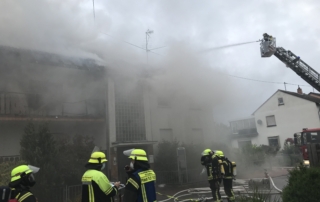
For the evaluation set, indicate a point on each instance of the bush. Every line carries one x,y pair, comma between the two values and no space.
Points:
303,185
6,168
61,161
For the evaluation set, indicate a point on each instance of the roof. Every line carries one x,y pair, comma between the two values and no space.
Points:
8,53
302,96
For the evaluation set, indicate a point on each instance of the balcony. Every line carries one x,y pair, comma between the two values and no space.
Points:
244,128
14,158
23,106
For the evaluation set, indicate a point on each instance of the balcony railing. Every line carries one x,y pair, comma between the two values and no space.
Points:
10,158
33,105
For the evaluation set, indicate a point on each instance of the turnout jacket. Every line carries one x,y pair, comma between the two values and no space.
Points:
96,187
23,195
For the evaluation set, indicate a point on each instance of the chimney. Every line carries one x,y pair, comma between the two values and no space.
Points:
299,90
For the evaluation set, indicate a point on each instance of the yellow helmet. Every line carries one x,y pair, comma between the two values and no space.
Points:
97,157
206,152
219,153
21,170
138,154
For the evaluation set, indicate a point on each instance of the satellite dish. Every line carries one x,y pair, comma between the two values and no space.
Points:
259,122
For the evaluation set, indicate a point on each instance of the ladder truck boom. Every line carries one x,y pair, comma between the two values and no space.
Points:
268,48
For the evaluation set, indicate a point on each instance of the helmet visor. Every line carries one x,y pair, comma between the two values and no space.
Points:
128,152
34,169
95,149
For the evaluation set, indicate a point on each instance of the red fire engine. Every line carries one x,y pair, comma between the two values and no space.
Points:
302,139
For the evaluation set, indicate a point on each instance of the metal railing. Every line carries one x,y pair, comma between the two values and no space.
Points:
12,158
31,104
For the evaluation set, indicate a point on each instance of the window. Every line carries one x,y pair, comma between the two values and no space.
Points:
166,134
274,141
244,143
280,101
271,121
196,136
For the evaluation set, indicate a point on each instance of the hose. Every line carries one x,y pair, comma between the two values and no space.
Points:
271,180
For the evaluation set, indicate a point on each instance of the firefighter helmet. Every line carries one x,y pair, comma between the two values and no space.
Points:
219,153
207,152
98,157
22,170
139,155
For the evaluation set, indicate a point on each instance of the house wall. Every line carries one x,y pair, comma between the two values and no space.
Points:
292,117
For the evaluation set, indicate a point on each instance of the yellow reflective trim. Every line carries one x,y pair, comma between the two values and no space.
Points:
147,176
24,197
144,195
91,193
17,196
134,183
86,179
109,191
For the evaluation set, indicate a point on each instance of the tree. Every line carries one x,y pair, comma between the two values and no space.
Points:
61,161
6,168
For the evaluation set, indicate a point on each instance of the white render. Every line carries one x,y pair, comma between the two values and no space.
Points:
296,113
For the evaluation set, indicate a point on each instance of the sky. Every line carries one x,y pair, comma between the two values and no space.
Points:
181,30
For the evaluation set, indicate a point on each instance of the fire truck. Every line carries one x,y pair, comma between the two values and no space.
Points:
309,139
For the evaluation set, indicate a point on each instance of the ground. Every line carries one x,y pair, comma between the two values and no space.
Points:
279,177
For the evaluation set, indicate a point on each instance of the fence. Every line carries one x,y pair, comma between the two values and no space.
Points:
61,194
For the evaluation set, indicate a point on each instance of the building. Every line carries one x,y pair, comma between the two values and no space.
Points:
84,96
243,131
282,115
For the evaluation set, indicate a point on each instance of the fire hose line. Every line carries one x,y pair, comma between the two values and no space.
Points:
271,180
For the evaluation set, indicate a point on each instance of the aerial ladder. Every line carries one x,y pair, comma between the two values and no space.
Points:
268,48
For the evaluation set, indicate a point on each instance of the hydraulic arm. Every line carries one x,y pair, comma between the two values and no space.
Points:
268,48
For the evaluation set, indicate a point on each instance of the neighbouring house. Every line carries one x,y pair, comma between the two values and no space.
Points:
278,118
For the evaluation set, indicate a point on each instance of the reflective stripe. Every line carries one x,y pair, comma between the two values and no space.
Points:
109,191
134,183
22,198
91,193
144,194
86,180
210,177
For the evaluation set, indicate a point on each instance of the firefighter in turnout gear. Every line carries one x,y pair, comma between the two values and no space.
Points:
211,163
140,186
230,172
22,179
95,185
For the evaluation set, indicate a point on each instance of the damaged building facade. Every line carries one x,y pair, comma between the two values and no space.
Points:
84,96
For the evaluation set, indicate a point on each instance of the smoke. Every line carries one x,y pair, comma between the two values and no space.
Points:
69,29
184,77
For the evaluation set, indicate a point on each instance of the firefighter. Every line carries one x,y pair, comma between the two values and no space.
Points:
266,37
95,185
140,186
228,176
22,179
211,164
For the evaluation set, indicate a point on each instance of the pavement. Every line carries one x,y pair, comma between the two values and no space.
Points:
279,176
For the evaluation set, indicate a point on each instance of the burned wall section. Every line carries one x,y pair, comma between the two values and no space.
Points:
69,93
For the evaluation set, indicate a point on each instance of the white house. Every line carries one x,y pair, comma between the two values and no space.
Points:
279,117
